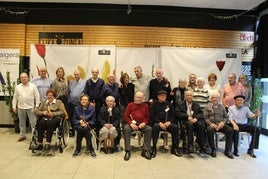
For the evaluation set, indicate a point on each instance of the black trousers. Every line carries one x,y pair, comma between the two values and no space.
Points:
227,130
254,132
83,132
173,129
47,124
199,128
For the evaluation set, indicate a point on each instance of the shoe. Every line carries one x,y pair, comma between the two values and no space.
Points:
191,149
47,147
229,155
202,153
153,153
105,150
39,147
146,154
176,152
127,156
21,139
92,152
76,153
251,153
236,153
111,150
213,153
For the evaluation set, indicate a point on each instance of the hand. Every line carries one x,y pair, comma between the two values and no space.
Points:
134,127
235,127
167,124
163,127
142,125
220,125
213,126
15,110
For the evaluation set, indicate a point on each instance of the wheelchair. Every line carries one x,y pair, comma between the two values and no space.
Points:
61,132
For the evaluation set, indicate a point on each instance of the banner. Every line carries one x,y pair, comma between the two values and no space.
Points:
9,61
71,58
180,62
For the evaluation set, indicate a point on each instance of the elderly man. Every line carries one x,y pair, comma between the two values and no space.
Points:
110,89
136,118
192,82
238,116
163,118
42,82
216,119
191,115
75,90
26,100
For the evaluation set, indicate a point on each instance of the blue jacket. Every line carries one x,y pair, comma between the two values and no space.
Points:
88,114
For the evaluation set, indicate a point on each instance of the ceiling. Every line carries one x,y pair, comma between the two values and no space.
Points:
214,4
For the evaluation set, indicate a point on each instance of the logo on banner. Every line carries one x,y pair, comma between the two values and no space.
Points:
65,38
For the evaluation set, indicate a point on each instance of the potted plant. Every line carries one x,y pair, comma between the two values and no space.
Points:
8,90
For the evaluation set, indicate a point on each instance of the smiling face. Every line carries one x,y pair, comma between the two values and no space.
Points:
84,101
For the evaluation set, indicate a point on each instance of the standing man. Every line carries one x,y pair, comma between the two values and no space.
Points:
26,100
93,89
43,83
238,116
75,90
192,82
141,83
157,84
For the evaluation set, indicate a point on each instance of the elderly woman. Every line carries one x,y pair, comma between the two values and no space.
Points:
200,94
50,113
109,120
216,118
178,92
212,86
84,120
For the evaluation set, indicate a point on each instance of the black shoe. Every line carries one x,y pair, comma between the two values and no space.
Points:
127,156
176,151
229,155
105,150
251,153
153,153
47,147
191,149
76,153
111,150
236,153
39,147
213,153
146,154
92,152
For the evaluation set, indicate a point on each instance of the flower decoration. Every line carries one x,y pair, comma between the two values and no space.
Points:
41,50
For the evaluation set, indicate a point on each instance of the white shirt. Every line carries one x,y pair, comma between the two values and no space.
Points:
26,96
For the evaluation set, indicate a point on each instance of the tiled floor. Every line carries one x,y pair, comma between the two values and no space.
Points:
16,161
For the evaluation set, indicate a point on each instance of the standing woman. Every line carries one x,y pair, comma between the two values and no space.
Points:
247,88
212,86
60,85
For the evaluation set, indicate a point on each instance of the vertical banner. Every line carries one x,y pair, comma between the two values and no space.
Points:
9,61
180,62
128,58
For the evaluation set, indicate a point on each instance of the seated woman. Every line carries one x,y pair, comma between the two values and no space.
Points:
84,121
109,120
50,113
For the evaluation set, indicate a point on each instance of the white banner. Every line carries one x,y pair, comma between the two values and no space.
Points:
9,61
180,62
71,58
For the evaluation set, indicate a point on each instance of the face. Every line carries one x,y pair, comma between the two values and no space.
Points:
231,79
182,84
242,79
138,72
200,83
162,97
192,79
239,102
126,80
211,82
60,73
43,72
50,97
111,79
215,99
84,101
77,75
138,99
110,103
95,73
159,74
24,78
188,96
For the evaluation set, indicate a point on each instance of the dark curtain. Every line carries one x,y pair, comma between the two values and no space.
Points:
261,61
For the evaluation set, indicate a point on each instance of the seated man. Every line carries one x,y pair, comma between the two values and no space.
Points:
238,116
109,120
50,113
136,118
163,118
84,120
191,115
216,119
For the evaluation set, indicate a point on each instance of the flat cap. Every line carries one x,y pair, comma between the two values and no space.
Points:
239,96
161,92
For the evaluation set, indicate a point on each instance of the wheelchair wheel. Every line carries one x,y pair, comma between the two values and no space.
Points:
65,132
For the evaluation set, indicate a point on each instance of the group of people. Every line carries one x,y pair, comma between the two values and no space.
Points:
141,104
